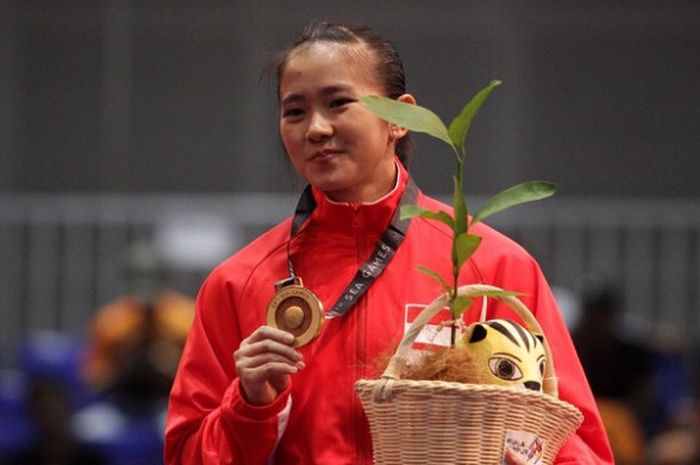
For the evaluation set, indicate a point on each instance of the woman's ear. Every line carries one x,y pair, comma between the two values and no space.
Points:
397,131
407,98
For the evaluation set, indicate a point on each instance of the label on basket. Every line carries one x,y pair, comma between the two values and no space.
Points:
526,445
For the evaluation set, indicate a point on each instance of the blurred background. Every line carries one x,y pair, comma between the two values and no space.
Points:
139,147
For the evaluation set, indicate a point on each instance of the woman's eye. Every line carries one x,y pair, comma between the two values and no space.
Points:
293,112
505,369
339,102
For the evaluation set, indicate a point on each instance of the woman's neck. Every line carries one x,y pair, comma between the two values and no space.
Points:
370,194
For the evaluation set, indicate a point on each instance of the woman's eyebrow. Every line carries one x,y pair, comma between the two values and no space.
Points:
329,90
291,98
334,89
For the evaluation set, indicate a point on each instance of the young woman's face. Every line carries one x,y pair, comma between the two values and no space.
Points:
333,142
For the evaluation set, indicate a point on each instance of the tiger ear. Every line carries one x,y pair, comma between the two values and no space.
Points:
478,334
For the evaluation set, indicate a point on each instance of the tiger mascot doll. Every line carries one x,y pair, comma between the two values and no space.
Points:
503,352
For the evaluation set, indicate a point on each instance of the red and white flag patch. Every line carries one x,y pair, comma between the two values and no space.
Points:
434,335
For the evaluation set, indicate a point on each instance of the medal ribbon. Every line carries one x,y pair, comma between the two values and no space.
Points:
368,272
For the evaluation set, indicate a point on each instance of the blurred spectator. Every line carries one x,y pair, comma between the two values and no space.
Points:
54,443
641,388
616,367
134,343
619,372
134,347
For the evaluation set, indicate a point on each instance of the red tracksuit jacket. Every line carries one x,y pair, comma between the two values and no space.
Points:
319,419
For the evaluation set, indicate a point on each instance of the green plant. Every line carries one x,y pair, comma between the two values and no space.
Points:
464,244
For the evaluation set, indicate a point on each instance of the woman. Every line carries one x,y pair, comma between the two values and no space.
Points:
243,393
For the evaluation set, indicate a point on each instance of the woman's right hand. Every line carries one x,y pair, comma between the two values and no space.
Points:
264,362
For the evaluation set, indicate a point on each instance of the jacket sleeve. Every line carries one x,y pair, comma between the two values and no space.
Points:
589,445
208,420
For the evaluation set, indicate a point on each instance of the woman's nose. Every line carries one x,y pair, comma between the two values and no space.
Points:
319,128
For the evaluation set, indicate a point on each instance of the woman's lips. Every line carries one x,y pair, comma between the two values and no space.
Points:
323,155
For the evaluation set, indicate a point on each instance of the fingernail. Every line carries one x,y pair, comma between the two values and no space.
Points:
301,365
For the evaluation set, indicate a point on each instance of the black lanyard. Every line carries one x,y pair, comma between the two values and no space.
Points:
385,250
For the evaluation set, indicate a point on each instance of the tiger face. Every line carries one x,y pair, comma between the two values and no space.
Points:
505,353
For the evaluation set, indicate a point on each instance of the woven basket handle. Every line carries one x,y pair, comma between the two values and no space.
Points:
398,361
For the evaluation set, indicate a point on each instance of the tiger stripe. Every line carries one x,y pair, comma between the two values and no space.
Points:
515,333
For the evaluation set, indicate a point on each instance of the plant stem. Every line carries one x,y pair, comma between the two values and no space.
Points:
453,312
455,267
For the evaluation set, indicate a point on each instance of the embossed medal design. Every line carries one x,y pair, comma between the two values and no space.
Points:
297,310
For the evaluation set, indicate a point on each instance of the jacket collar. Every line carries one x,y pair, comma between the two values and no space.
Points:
366,218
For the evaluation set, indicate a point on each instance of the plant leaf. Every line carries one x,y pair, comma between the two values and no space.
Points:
412,117
460,125
460,304
465,245
521,193
436,277
412,211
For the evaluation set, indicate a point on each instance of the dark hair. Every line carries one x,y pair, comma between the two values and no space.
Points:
389,69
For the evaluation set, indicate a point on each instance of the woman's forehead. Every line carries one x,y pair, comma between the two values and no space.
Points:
350,61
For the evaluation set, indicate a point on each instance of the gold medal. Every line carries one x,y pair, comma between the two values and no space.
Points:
297,310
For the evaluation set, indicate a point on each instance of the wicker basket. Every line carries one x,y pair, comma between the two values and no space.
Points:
441,423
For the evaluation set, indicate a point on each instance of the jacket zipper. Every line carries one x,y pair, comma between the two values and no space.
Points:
360,351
